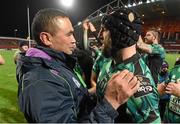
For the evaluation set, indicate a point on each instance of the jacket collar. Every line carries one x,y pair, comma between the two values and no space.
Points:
49,57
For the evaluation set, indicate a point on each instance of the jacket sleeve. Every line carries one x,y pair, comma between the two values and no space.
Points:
102,113
49,101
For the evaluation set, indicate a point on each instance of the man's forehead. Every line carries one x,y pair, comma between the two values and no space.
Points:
60,21
64,23
149,32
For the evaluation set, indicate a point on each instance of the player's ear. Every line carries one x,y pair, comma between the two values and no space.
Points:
46,38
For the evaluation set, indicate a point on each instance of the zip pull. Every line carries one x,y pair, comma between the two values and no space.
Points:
80,78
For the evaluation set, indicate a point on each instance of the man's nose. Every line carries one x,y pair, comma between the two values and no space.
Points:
73,39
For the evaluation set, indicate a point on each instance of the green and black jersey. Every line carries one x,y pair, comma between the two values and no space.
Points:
99,62
154,60
157,49
143,106
172,113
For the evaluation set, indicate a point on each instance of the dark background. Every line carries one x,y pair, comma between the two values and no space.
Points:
13,13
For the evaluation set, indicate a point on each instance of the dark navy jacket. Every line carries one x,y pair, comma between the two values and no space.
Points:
49,91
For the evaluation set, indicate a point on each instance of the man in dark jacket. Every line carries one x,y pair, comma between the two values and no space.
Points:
50,91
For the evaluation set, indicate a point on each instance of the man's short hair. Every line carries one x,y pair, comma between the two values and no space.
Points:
165,64
23,43
44,20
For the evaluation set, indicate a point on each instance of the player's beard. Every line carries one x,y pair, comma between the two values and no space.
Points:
107,47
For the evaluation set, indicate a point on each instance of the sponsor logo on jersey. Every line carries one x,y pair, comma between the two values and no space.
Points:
174,104
145,86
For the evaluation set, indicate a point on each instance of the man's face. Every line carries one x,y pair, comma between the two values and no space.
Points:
24,48
163,71
106,40
149,38
63,40
103,33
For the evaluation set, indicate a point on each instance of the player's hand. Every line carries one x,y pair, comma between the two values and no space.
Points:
86,24
92,28
161,88
173,88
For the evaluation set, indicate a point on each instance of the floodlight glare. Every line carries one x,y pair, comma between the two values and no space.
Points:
100,14
67,3
79,23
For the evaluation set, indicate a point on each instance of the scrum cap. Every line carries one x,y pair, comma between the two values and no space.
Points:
125,27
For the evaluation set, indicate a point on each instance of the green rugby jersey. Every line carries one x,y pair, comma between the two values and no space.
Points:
156,49
98,64
143,106
172,113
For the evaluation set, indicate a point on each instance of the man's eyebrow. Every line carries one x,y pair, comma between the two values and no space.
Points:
70,32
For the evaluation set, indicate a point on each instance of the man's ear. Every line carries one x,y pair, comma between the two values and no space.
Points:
46,38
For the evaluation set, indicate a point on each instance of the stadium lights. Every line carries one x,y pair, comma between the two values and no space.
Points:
147,1
79,23
140,2
67,3
100,14
129,5
134,4
163,12
15,32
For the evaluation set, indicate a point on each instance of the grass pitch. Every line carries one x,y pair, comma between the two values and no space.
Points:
9,111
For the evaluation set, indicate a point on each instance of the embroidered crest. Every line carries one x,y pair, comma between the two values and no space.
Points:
131,17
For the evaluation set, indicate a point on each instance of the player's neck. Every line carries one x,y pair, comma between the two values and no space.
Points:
125,53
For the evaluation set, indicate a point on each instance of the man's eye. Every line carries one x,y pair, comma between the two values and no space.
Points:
69,34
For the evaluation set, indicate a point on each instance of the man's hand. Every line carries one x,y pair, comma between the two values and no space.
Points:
2,61
143,47
161,88
120,87
140,41
92,28
86,24
94,47
173,88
